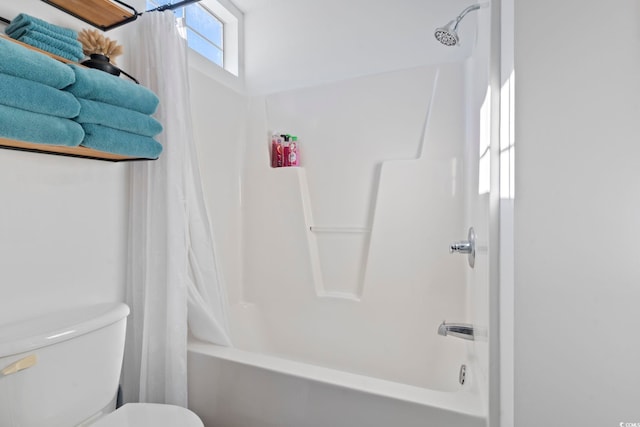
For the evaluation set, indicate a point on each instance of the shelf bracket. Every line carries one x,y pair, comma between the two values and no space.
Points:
108,14
102,14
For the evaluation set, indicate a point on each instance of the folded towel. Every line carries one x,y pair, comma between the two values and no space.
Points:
97,85
99,113
23,20
17,31
51,45
37,97
120,142
40,128
31,65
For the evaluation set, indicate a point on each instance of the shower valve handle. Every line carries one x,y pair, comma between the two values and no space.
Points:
466,247
463,247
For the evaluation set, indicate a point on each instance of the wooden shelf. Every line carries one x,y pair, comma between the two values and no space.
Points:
28,46
83,152
102,14
61,150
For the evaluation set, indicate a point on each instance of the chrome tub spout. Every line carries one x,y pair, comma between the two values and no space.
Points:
460,330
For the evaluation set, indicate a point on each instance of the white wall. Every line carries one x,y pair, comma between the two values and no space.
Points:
63,220
63,227
476,207
219,123
293,44
577,213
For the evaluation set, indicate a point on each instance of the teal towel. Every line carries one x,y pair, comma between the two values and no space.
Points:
21,62
23,20
97,85
99,113
72,52
40,128
36,97
17,30
119,142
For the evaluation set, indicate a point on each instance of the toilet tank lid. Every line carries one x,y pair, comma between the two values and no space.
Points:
41,331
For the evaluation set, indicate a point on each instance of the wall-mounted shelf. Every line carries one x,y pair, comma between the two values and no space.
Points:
61,150
107,14
28,46
83,152
102,14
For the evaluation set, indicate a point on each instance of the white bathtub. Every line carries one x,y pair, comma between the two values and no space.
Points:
229,387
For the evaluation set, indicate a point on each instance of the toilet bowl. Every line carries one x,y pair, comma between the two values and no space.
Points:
150,414
62,369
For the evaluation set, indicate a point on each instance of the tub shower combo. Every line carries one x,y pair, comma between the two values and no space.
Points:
346,270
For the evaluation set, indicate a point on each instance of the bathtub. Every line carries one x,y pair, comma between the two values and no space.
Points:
230,387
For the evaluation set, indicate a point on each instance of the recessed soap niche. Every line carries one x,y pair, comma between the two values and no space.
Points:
357,188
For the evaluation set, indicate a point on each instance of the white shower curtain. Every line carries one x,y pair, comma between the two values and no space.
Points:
173,284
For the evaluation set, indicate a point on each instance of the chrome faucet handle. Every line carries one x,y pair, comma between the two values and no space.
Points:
462,247
466,247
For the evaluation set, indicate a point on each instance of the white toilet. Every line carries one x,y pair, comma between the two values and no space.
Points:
62,370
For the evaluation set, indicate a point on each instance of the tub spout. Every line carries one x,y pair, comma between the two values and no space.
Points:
460,330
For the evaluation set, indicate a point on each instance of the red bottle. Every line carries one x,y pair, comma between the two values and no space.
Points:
292,153
277,154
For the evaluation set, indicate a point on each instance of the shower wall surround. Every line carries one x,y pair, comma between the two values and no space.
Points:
352,128
360,230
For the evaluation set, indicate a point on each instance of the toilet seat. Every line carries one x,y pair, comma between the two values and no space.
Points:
151,415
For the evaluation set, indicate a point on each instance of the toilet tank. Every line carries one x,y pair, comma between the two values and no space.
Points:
61,369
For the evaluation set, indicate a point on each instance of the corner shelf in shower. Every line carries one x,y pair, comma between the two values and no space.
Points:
60,150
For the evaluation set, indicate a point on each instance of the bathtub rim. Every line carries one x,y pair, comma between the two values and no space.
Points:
464,401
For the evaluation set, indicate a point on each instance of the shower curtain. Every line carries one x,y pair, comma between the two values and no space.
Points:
174,285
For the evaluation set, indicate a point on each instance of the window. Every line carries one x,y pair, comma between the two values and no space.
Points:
210,30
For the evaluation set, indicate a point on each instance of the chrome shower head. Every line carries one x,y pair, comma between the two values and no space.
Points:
448,34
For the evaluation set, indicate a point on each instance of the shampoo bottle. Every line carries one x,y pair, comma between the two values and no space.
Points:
293,152
285,149
277,154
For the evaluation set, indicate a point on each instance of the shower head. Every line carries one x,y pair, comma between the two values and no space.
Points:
448,34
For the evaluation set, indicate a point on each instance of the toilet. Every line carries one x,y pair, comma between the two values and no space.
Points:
63,369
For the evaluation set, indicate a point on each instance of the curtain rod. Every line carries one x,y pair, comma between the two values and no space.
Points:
172,6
